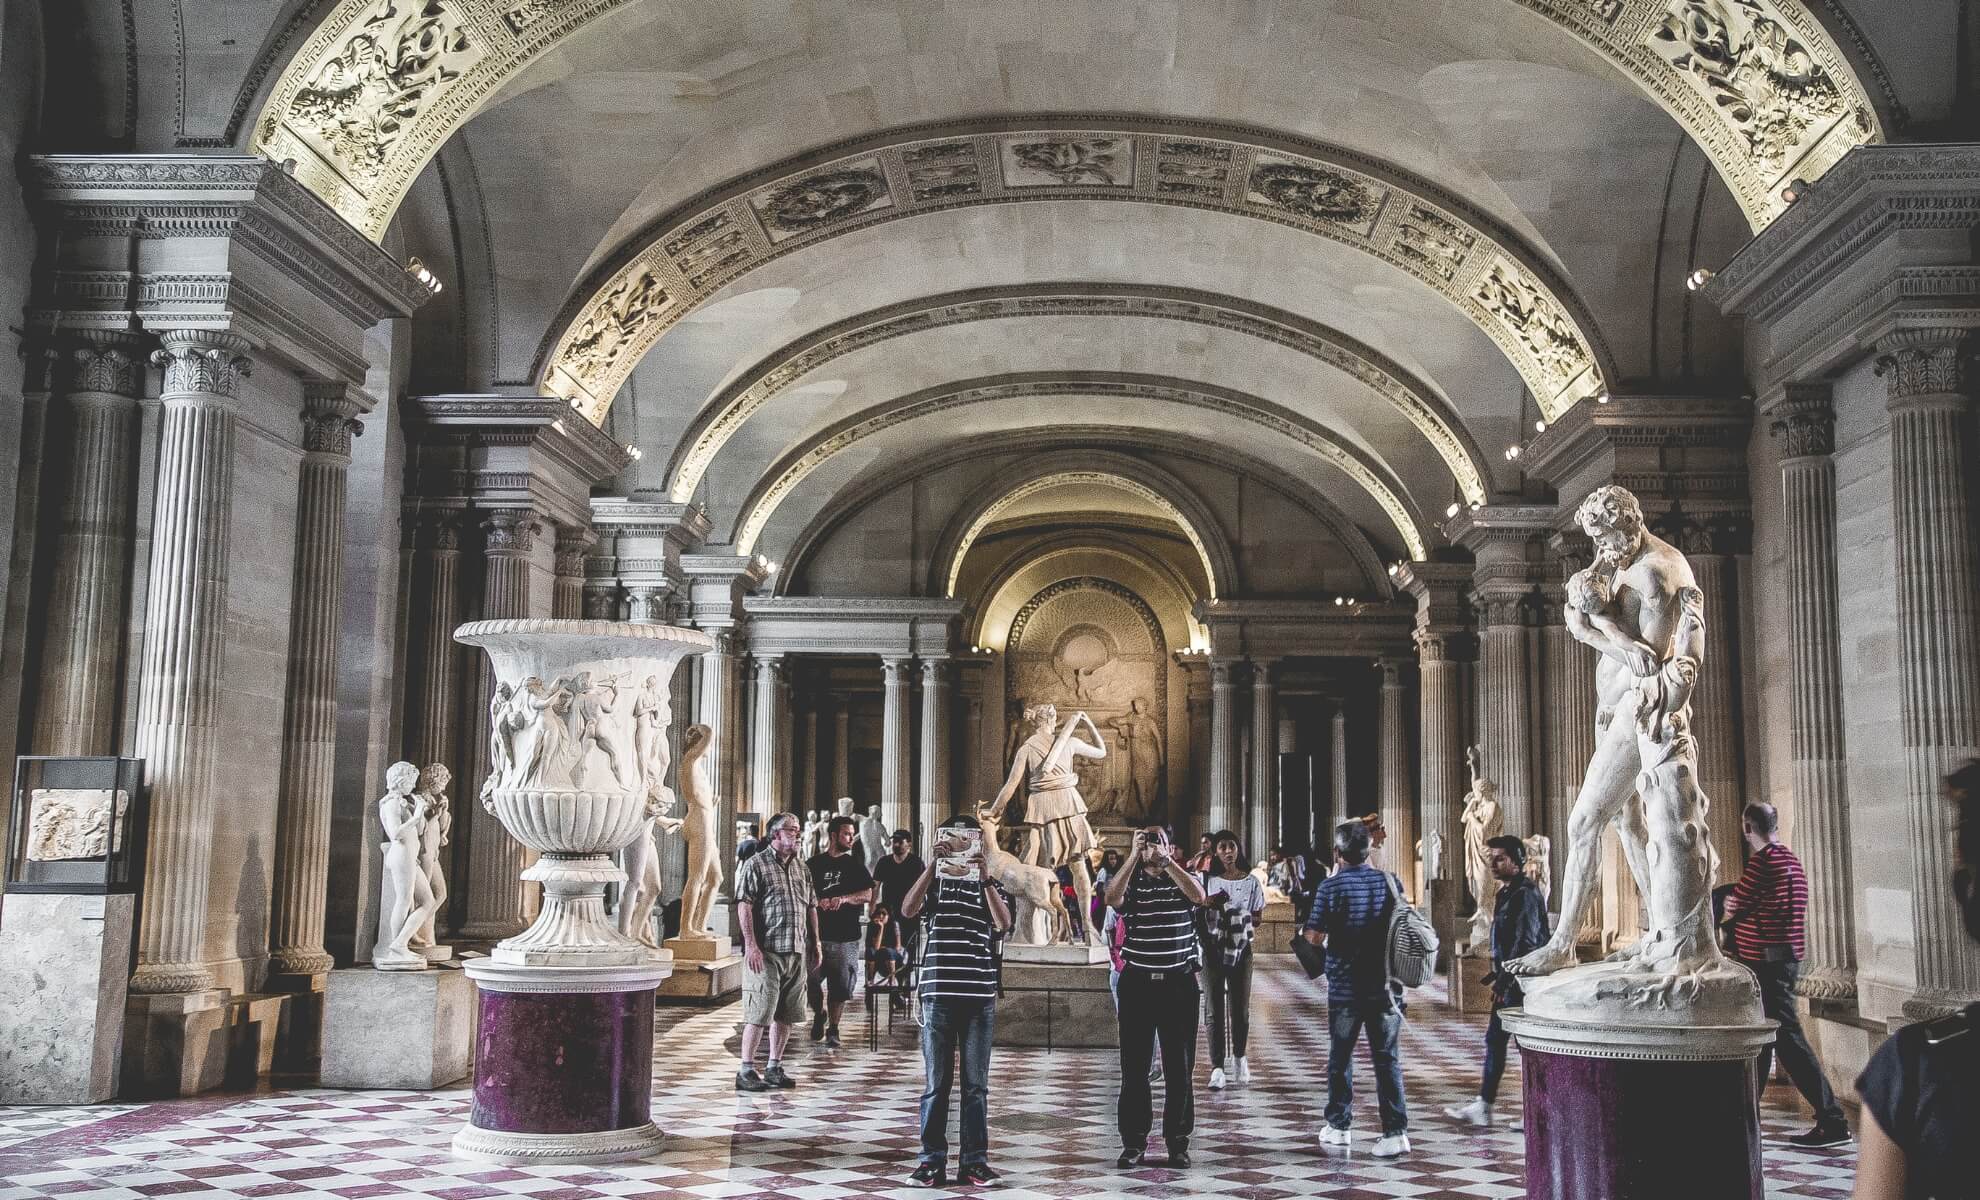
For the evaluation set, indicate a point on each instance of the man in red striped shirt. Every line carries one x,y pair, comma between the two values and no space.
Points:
1768,911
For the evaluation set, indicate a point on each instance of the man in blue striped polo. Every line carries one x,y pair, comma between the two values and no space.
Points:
958,989
1157,900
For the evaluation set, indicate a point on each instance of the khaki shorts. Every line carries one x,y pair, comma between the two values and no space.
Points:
776,994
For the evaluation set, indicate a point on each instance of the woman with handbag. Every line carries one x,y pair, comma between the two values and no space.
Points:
1232,899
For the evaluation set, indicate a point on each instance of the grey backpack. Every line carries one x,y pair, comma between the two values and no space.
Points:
1412,941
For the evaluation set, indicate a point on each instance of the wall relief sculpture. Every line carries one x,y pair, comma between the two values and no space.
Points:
1068,162
72,823
1314,192
613,325
1762,79
822,199
360,101
1512,297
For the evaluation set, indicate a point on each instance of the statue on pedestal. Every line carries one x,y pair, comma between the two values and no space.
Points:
1043,766
704,855
1483,819
1640,607
873,836
405,897
642,857
813,835
438,822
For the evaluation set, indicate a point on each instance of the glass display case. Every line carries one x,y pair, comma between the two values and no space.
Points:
77,825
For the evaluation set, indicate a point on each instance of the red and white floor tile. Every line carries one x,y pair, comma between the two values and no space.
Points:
848,1131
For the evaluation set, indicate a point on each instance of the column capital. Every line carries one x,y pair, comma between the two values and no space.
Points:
1930,368
1261,670
330,414
648,601
202,362
934,670
511,532
601,601
435,528
1803,420
1223,672
895,669
1392,669
574,543
102,362
1437,645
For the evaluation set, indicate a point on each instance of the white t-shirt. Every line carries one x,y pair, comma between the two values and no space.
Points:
1246,893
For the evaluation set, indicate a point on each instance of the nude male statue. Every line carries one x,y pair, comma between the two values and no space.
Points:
1648,624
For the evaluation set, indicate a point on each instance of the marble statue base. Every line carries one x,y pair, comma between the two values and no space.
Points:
705,968
68,961
184,1043
1468,991
1276,927
1636,1111
563,1064
700,949
396,1029
1077,955
1048,1004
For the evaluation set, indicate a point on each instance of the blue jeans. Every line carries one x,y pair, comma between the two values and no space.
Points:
1497,1039
946,1027
1384,1021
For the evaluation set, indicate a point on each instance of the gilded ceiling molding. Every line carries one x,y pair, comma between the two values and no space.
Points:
688,255
381,85
1117,447
784,475
724,415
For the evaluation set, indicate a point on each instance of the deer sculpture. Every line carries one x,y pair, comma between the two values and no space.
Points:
1035,889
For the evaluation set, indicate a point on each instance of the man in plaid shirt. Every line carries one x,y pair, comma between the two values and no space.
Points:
779,922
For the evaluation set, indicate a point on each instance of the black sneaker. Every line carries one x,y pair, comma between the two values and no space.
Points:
929,1175
832,1039
818,1028
1179,1155
976,1173
1823,1136
776,1078
747,1080
1131,1156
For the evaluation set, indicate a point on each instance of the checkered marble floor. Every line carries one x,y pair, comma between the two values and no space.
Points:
848,1131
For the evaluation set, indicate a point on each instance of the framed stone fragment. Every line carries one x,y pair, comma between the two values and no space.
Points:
76,825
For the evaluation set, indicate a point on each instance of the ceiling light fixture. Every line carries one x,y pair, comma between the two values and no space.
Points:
1452,511
1795,190
1601,397
426,278
1697,279
1539,427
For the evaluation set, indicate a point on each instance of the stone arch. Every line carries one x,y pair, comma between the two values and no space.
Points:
1145,480
784,475
987,616
1761,85
1089,438
680,260
731,407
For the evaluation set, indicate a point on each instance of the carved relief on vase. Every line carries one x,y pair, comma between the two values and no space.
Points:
1091,645
822,199
1068,162
1757,73
1314,192
72,823
392,63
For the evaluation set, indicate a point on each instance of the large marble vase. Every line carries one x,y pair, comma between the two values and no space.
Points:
563,1062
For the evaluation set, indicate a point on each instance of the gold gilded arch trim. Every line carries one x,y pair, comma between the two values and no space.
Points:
1108,479
784,475
732,407
380,85
687,256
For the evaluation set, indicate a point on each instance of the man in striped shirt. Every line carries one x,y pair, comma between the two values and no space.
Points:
1157,900
958,1004
1350,917
1768,911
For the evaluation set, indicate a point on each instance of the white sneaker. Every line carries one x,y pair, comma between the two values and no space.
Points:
1244,1070
1476,1113
1330,1136
1216,1079
1391,1146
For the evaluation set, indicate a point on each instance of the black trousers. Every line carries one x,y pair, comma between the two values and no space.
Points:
1230,1005
1158,1008
1777,1001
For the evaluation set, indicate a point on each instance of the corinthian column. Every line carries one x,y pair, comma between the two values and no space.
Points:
894,749
76,710
1570,744
1929,376
841,746
766,737
499,903
1441,721
1339,762
1504,731
1262,822
437,554
1398,815
934,750
179,685
1804,423
1716,704
309,724
1223,745
574,542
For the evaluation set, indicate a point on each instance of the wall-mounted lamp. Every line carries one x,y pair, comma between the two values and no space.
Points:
1697,279
1795,190
427,279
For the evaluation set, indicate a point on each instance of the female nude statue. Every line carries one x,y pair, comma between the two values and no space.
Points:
704,855
407,898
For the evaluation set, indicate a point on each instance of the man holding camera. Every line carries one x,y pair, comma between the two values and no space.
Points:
1156,899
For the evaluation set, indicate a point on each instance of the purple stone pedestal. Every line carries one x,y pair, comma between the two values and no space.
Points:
1639,1112
563,1064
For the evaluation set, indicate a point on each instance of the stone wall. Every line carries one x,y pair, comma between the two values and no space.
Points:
20,76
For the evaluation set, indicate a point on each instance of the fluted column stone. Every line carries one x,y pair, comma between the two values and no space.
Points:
1398,813
499,903
1929,374
81,640
841,746
766,736
1715,705
1342,804
574,544
1505,733
309,723
1224,748
934,751
1262,819
1441,721
437,556
182,675
808,788
1570,744
1804,424
896,786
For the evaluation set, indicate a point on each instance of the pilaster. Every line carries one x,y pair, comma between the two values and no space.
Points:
895,769
1262,818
